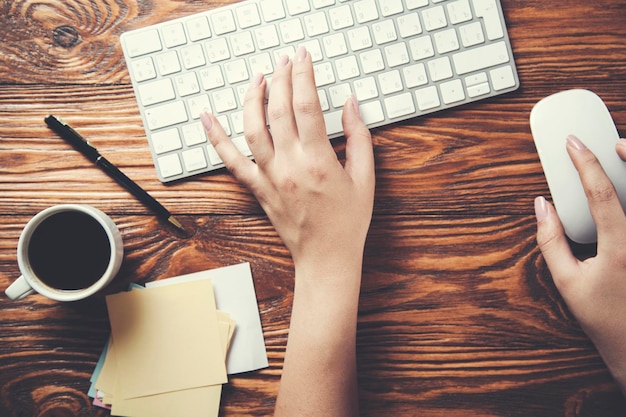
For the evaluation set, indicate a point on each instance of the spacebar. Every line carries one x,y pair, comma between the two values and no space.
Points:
480,58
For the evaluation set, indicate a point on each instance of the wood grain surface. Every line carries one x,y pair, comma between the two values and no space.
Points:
458,312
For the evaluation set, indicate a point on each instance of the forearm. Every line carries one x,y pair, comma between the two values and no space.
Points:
319,373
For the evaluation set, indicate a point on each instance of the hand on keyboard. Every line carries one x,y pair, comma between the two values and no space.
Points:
297,178
322,211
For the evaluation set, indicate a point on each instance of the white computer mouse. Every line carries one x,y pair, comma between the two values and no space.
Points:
583,114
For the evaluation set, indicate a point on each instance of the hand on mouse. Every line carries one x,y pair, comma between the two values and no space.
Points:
594,289
322,211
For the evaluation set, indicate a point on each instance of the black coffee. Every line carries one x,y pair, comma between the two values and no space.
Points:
69,250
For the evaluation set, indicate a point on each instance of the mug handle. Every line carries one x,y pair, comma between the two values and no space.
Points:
19,289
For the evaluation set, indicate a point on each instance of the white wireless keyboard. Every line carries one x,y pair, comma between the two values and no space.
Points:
401,58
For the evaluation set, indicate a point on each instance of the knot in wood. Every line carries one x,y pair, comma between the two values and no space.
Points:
66,36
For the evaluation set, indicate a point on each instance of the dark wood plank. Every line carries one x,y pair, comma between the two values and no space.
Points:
458,313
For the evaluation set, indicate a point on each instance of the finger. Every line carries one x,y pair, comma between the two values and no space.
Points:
240,166
306,103
554,246
621,149
279,105
255,130
604,203
359,151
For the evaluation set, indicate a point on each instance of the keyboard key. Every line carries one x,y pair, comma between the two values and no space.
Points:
414,4
384,32
391,7
446,41
211,77
372,112
372,61
502,78
478,90
242,43
472,34
397,54
488,10
169,165
187,84
365,11
421,48
452,91
347,68
168,63
440,69
427,98
223,22
272,10
341,17
166,141
266,37
291,30
459,11
339,94
409,25
333,122
141,43
192,56
197,105
217,50
365,88
224,100
482,57
324,74
236,71
194,134
400,105
434,18
335,45
194,159
415,75
174,35
166,115
359,38
198,28
295,7
156,92
316,24
143,69
390,82
248,16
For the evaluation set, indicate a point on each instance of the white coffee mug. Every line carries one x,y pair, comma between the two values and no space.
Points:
67,252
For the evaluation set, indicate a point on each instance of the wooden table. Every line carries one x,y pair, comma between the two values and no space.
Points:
458,312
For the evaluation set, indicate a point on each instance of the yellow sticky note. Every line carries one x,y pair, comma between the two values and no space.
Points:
195,402
165,339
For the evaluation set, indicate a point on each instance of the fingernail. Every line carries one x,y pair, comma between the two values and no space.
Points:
541,209
283,61
256,80
206,121
622,142
301,54
576,143
355,103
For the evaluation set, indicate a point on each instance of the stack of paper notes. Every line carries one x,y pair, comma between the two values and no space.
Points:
173,343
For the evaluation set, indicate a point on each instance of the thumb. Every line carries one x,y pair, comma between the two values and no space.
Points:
554,246
359,148
621,149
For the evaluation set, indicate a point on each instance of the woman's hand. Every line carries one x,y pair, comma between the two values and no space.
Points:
594,289
320,209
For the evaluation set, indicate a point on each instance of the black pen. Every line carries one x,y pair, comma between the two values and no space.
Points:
83,146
